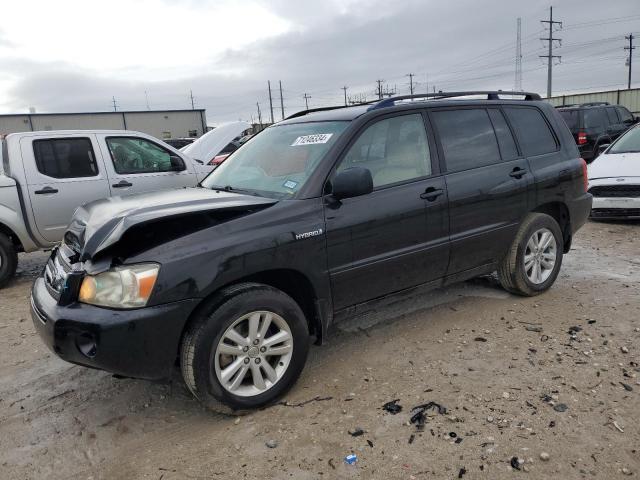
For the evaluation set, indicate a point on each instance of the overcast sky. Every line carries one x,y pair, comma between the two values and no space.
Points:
75,55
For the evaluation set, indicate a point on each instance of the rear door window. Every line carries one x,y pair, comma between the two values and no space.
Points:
507,144
534,134
467,137
611,115
65,158
595,118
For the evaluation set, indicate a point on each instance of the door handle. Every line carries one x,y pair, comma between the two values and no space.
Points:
518,173
122,184
431,193
46,190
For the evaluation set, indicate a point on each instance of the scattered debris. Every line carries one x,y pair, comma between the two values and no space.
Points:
624,349
516,462
620,429
505,395
626,471
351,459
573,330
412,438
480,339
627,387
459,440
591,322
462,472
544,456
370,443
302,404
533,328
560,407
357,432
271,443
392,407
453,434
331,464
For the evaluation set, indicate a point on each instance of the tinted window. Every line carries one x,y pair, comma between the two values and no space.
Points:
627,143
625,115
467,138
394,150
506,142
571,118
611,115
595,118
137,155
534,135
65,158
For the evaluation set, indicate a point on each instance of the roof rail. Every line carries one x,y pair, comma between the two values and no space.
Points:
491,95
594,104
568,105
302,113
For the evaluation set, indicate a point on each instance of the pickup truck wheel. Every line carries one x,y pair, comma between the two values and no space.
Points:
534,259
246,348
8,260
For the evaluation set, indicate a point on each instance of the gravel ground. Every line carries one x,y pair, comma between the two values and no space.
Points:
550,381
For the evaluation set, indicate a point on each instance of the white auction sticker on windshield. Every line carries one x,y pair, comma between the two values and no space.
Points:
312,139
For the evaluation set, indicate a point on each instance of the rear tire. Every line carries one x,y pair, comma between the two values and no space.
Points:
224,358
8,260
534,259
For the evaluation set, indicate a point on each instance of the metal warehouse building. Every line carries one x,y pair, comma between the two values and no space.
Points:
162,124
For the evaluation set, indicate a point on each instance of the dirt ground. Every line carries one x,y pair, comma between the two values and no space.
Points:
515,378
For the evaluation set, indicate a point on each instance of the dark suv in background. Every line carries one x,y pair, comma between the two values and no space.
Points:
595,124
325,214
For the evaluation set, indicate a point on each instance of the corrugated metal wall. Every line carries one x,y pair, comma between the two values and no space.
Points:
628,98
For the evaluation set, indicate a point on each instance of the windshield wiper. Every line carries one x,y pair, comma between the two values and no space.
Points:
229,188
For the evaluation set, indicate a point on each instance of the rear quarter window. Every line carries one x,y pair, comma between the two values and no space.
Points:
534,134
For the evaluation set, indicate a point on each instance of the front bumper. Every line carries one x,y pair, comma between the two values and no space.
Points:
140,343
618,207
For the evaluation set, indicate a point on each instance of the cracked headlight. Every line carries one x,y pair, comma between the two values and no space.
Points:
128,286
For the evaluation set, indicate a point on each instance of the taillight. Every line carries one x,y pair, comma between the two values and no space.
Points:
582,138
585,175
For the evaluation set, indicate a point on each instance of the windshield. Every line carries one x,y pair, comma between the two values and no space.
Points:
571,118
627,143
278,161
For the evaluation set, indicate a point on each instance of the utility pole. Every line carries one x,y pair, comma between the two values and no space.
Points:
518,80
306,100
549,56
115,106
410,75
146,97
631,48
379,92
259,115
345,94
270,100
193,106
281,100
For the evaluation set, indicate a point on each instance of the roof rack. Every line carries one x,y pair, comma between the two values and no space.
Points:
594,104
324,109
491,95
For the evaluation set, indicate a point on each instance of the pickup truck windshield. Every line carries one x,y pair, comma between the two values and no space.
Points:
277,162
628,143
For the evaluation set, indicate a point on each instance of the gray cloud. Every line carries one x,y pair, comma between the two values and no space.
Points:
455,45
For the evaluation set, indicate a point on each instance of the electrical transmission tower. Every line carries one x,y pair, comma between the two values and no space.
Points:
518,82
410,75
379,90
345,94
631,48
549,56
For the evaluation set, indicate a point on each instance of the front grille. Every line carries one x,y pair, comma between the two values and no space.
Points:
615,212
626,191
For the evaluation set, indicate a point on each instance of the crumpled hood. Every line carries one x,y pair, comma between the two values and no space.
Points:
615,165
99,224
211,143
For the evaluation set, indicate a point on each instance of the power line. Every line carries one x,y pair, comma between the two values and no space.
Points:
549,56
631,48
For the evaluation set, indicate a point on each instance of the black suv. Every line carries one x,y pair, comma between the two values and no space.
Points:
595,124
326,213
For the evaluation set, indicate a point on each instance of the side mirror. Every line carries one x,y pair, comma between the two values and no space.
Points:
177,165
603,147
352,182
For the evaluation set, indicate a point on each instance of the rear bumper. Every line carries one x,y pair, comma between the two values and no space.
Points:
140,343
579,209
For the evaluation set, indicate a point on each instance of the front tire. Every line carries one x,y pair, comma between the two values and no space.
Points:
245,348
534,259
8,260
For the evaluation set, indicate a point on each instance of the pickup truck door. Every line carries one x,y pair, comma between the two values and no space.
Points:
138,164
63,172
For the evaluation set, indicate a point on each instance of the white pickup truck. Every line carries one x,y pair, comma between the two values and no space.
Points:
45,176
